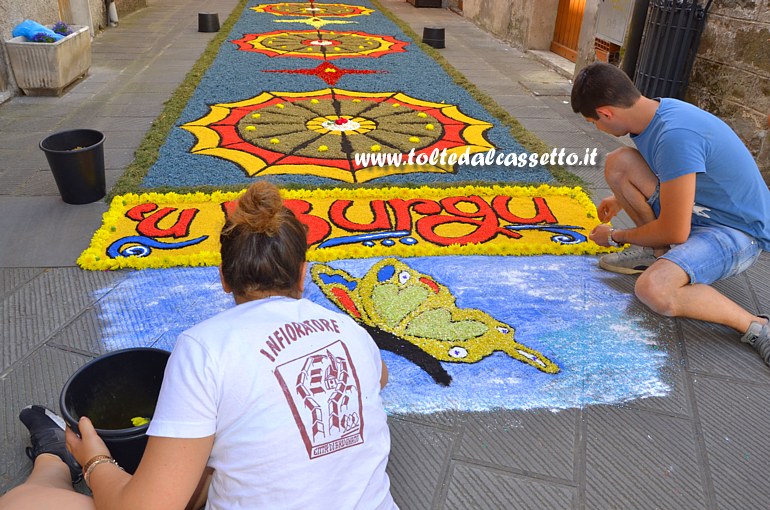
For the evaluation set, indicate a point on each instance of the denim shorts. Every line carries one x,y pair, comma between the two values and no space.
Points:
711,252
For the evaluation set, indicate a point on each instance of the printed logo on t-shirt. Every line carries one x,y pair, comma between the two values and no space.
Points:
323,391
699,210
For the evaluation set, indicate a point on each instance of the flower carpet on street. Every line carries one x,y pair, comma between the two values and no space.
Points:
163,230
463,257
298,88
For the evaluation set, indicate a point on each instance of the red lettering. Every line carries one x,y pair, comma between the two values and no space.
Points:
543,212
401,209
326,324
229,207
335,326
137,213
483,218
266,354
278,334
148,225
290,332
318,228
380,219
272,346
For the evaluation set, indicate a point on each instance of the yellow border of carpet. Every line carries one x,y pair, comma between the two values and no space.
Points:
155,230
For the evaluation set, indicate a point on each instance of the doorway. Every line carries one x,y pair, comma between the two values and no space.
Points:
569,17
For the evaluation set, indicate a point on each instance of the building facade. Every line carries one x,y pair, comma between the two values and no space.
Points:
730,75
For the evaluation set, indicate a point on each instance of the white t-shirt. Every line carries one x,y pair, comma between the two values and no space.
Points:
291,392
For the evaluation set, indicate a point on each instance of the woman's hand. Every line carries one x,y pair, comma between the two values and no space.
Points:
88,445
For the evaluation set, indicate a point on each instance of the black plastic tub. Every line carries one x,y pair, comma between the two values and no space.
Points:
111,390
76,158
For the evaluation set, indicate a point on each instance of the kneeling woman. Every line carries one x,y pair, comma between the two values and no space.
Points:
280,397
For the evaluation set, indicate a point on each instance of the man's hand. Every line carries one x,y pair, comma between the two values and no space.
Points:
608,209
601,234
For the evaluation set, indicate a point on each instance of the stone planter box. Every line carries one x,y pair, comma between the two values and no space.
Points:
46,69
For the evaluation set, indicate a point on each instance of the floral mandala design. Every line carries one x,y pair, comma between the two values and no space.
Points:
319,44
318,133
313,9
326,71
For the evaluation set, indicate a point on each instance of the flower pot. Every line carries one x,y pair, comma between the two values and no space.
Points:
46,69
76,158
111,390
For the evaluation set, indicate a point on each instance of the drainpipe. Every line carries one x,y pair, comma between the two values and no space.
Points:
112,13
634,37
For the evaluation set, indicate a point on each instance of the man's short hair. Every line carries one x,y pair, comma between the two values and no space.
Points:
601,84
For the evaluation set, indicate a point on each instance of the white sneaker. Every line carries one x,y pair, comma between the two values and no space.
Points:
758,336
630,261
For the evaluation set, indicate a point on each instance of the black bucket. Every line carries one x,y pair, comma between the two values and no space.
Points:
111,390
76,158
208,22
433,37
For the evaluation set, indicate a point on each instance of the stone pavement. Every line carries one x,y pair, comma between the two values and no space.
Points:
703,446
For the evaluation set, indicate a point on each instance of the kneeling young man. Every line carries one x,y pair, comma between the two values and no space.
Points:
700,205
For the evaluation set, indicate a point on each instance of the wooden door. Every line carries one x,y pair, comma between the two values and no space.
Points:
569,17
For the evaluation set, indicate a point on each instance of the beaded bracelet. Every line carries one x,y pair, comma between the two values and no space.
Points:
95,461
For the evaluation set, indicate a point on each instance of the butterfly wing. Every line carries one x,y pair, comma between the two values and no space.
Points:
340,288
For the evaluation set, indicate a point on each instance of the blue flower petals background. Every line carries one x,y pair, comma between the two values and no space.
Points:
562,306
237,75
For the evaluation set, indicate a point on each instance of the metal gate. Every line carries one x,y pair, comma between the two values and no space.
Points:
669,44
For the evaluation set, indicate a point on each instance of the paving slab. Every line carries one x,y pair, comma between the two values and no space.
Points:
717,350
417,472
641,460
481,487
539,442
733,417
39,378
43,231
49,301
11,279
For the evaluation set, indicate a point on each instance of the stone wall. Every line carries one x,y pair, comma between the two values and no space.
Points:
128,6
731,74
527,24
13,12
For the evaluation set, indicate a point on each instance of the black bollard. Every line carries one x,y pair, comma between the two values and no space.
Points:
433,37
208,22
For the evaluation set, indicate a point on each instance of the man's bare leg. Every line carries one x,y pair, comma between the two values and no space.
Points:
665,288
632,182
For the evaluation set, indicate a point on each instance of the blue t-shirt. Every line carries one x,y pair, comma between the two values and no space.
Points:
729,190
